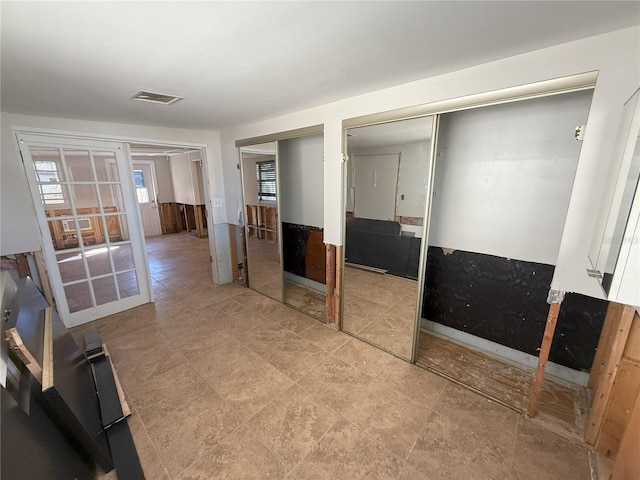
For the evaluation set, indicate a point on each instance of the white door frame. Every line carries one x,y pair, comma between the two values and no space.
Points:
143,141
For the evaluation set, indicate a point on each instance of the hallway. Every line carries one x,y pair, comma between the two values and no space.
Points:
226,383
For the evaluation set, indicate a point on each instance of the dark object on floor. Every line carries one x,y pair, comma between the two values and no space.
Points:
93,345
123,450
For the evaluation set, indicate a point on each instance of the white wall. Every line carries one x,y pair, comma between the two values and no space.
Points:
616,57
19,230
163,179
504,175
300,170
181,174
411,179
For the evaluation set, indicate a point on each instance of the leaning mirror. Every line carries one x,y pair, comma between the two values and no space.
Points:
301,206
263,269
386,183
613,230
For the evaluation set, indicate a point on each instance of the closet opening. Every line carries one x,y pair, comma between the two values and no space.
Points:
498,184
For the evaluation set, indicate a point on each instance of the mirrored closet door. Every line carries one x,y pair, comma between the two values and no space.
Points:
387,186
263,269
283,215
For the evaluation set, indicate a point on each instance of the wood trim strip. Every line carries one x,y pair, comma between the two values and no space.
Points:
338,290
47,350
15,344
126,410
44,276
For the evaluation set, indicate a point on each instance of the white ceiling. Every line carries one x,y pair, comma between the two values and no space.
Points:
239,62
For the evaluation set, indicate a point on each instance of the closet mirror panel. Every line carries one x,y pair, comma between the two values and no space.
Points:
301,206
387,181
263,269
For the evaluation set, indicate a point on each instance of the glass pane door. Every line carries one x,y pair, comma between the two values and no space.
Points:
91,241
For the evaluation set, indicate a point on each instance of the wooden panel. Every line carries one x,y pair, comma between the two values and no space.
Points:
627,465
234,251
632,348
315,262
170,221
604,344
623,396
331,283
608,375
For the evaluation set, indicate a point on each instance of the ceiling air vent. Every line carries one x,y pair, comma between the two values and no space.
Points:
155,97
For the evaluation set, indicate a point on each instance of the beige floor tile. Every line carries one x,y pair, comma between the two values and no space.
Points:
324,337
167,392
456,453
413,382
292,424
193,431
288,352
335,383
550,453
240,455
482,416
151,464
392,419
345,452
369,359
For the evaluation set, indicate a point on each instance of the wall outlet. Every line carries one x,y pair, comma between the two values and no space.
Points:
217,202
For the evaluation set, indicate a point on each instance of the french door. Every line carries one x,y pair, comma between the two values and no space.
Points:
92,243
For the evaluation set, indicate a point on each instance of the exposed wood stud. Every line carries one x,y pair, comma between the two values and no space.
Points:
23,265
604,343
338,289
547,339
234,251
331,283
245,270
605,385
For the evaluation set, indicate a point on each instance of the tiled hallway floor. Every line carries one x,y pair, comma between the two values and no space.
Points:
226,383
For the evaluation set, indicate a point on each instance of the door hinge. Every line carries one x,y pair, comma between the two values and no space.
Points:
210,259
579,133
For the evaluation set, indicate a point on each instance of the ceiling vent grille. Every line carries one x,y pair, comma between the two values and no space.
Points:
155,97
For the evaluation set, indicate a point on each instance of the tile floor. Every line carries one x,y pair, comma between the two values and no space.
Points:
226,383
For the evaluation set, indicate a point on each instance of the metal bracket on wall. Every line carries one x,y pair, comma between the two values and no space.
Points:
555,296
592,272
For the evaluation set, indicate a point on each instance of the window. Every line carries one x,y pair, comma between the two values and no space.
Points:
141,189
266,175
48,178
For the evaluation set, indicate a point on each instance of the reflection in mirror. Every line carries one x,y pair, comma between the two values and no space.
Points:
387,179
260,190
627,160
301,173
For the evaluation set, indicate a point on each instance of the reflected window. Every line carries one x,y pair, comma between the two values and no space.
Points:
266,176
141,189
48,178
